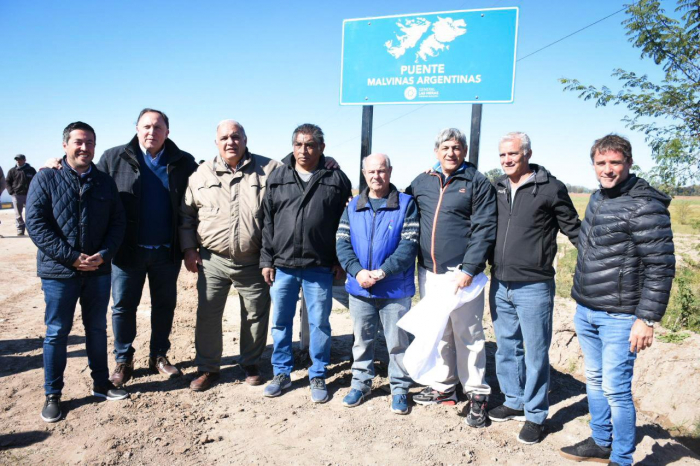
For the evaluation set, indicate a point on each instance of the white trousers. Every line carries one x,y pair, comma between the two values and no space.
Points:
462,356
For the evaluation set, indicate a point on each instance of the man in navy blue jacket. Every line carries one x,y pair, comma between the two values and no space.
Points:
457,207
76,220
377,243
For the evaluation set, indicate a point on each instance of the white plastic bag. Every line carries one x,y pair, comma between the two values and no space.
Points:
428,319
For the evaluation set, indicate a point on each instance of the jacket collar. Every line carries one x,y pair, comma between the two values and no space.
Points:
171,150
621,189
247,161
290,162
392,200
465,171
541,176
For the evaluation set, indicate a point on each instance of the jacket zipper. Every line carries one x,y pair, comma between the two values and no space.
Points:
371,242
435,219
510,213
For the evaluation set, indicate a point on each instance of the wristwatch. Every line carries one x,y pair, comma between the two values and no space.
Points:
380,274
649,323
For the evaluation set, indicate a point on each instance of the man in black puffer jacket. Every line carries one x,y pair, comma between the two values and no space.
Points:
622,284
76,220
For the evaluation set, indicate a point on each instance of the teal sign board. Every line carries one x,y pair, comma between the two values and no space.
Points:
463,56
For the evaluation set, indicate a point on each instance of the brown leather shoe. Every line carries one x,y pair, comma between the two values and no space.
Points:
204,381
122,373
161,365
252,375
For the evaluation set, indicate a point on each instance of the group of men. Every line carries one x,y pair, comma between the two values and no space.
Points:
271,229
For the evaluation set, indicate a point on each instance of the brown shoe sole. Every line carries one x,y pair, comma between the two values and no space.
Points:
581,459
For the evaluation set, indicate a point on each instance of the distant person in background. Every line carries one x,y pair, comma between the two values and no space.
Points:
2,187
377,243
622,284
533,206
76,220
18,179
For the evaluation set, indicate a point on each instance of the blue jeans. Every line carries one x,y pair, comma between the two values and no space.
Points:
127,286
61,296
522,320
317,285
366,313
604,340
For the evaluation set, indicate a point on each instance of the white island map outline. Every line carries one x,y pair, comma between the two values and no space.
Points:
444,31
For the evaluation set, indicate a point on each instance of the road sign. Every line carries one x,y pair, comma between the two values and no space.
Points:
465,56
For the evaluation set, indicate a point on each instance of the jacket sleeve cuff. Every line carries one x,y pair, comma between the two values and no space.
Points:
354,269
266,265
188,241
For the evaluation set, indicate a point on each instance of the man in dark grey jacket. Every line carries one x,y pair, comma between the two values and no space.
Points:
622,284
533,206
457,207
303,205
151,174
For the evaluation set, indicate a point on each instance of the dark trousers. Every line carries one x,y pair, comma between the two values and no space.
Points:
127,287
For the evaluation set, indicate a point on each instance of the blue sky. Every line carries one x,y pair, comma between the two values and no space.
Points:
273,65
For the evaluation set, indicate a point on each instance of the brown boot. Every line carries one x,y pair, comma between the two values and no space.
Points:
161,365
252,375
204,381
122,373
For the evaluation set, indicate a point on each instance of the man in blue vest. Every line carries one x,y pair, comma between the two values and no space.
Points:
377,243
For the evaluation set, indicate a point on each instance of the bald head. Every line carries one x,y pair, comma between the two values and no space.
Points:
376,157
231,141
377,171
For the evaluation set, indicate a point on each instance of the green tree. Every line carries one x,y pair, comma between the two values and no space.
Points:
493,174
673,44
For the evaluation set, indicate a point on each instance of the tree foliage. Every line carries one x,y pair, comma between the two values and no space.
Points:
668,113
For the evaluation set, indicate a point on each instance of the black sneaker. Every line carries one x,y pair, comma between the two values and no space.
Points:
109,392
504,413
477,410
530,433
52,409
430,396
587,450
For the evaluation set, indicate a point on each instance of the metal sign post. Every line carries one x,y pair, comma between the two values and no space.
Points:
366,145
475,136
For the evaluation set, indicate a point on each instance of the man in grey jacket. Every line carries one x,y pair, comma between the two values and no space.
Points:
220,235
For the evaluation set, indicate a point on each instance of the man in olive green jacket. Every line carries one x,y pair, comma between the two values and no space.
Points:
221,236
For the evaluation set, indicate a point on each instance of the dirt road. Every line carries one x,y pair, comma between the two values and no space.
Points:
164,422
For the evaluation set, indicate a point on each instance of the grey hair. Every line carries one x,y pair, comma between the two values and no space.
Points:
234,123
525,144
449,134
386,159
309,129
